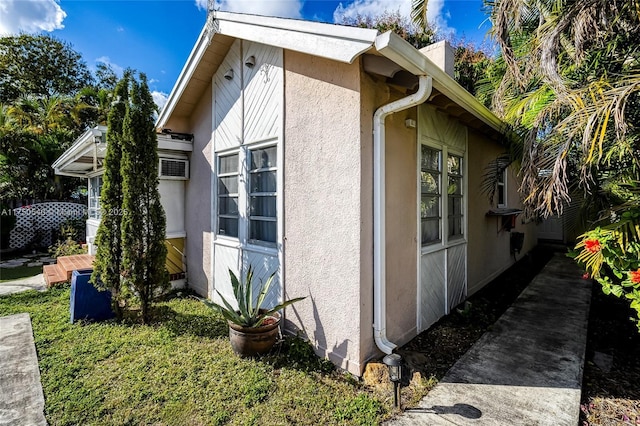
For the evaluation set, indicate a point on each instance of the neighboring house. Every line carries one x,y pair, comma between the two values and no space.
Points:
346,161
85,159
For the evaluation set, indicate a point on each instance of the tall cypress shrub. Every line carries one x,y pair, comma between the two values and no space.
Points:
107,267
143,220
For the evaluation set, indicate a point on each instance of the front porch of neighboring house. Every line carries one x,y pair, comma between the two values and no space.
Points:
85,159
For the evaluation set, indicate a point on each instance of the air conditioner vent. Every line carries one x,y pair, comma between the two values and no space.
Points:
176,169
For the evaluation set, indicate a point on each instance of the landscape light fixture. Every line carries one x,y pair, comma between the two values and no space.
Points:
394,364
97,139
229,74
251,61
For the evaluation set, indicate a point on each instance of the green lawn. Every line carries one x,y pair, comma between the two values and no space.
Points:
179,371
10,274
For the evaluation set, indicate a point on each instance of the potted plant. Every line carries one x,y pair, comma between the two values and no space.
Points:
252,329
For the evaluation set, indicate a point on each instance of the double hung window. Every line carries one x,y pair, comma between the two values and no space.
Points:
430,211
228,184
502,188
95,187
247,195
454,195
441,196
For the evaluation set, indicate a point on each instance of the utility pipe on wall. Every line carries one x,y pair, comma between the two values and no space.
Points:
379,188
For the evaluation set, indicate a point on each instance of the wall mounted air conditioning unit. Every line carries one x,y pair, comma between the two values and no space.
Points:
171,168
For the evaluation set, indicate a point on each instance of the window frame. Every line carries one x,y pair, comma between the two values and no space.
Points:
445,240
245,194
235,195
250,194
94,213
461,196
501,185
437,195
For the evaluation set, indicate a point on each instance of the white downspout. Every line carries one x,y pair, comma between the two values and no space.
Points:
379,188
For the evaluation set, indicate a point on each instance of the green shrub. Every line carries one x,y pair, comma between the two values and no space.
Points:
66,248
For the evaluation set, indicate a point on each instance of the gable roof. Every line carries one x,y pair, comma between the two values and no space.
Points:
337,42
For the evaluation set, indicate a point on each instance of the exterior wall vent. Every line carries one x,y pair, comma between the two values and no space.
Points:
174,169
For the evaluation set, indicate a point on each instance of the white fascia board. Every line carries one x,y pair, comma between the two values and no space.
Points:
78,148
336,42
185,76
402,53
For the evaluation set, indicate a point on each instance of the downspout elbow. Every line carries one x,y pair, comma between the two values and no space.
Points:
379,238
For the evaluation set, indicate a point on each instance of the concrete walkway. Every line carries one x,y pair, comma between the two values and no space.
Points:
527,370
30,283
21,396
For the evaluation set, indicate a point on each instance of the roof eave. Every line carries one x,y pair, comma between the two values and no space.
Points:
339,43
402,53
76,148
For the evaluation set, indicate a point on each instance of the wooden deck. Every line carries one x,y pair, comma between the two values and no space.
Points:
61,271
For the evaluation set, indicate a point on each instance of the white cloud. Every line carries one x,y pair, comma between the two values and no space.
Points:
160,98
436,14
115,67
30,16
281,8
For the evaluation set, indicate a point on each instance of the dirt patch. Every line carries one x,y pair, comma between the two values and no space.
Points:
611,381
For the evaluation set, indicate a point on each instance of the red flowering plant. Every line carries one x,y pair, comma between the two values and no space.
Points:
611,256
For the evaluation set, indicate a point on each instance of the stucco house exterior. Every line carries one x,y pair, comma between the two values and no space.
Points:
348,162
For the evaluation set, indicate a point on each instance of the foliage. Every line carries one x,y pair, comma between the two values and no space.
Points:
470,67
417,36
107,267
178,371
249,312
143,220
39,65
611,255
363,409
567,80
67,247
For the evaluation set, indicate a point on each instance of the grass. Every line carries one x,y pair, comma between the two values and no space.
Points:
179,370
10,274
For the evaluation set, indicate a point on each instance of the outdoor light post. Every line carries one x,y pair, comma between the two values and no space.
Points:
394,363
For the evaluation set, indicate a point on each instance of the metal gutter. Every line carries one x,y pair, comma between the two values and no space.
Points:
379,188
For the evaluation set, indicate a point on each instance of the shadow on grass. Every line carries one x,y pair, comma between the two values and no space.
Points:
199,325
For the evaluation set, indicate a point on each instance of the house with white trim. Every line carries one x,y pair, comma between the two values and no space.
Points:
345,160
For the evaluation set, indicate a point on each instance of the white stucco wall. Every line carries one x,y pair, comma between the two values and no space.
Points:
197,195
323,223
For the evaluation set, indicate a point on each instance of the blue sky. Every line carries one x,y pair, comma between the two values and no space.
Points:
156,37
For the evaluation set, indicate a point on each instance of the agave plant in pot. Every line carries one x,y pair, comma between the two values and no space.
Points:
253,330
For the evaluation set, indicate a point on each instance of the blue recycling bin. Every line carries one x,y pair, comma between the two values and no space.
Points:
86,301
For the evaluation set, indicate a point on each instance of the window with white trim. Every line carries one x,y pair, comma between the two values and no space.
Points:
263,164
430,193
501,188
228,185
455,196
247,182
95,187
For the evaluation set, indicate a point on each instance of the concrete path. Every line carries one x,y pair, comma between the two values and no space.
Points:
527,370
21,396
23,284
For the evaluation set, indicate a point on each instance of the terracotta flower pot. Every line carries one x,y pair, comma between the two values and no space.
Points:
252,341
